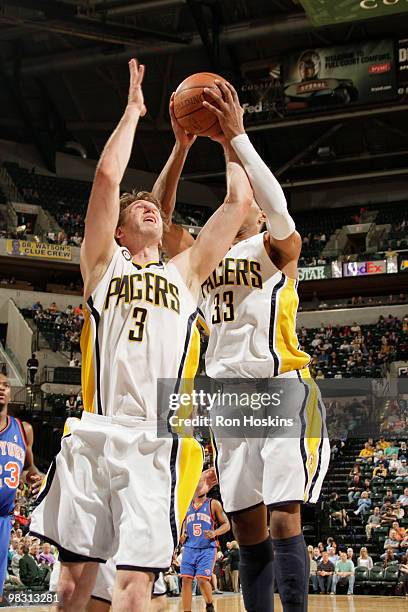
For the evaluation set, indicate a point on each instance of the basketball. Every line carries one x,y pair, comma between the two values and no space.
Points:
188,105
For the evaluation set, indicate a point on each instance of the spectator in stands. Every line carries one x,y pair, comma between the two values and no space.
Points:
354,488
403,498
382,443
336,511
71,406
333,556
402,471
37,306
389,495
344,573
350,554
403,451
392,541
15,561
398,511
312,569
367,451
364,559
325,571
402,587
389,557
53,308
363,504
394,464
379,472
374,521
399,531
46,556
78,311
32,368
30,573
388,517
317,555
234,565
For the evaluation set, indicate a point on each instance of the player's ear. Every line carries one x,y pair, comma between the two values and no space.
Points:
119,233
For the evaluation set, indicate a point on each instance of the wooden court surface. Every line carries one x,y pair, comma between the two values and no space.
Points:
317,603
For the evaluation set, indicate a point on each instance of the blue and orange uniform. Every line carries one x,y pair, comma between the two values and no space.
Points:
12,458
199,552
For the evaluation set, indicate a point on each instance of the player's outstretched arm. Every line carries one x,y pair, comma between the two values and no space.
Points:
175,238
103,207
217,235
267,190
165,187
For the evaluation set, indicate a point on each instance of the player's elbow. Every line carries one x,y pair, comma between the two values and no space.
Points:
106,175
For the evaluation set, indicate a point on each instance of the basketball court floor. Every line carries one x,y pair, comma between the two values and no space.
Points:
317,603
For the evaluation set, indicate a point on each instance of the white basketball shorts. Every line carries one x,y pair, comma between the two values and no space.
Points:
116,490
273,469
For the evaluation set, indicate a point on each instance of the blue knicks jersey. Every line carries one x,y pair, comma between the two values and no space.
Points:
199,520
12,458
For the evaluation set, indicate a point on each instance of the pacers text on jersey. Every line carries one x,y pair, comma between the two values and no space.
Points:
148,287
239,272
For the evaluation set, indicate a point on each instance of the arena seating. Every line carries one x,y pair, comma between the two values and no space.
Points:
382,578
340,351
67,198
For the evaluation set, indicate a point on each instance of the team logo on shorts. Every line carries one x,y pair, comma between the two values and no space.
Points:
311,460
207,571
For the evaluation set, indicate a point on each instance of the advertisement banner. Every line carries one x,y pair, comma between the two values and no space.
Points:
402,68
327,12
361,73
403,262
39,249
364,268
314,273
261,93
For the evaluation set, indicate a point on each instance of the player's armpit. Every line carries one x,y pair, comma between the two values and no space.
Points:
176,239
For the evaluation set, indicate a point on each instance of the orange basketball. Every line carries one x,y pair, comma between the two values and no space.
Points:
188,105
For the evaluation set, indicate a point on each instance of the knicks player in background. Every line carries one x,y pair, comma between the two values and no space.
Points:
116,489
250,304
16,462
204,523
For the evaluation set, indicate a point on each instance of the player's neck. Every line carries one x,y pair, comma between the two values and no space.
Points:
245,233
144,255
198,501
3,419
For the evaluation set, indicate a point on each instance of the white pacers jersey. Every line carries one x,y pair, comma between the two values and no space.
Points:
138,328
249,307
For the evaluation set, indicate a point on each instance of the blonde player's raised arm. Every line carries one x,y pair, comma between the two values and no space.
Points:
103,207
215,239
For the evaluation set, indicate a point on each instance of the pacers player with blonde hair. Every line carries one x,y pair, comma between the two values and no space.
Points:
249,303
116,489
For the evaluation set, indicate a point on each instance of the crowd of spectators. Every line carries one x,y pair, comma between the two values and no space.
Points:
355,350
377,494
30,562
61,327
